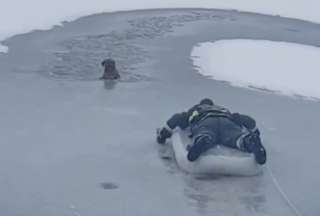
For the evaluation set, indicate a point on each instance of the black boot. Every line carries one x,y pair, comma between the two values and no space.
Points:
253,145
202,144
260,155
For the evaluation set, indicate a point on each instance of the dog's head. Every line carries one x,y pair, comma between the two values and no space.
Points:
110,71
108,64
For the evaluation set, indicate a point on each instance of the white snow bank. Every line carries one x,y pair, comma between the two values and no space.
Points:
18,16
3,49
289,68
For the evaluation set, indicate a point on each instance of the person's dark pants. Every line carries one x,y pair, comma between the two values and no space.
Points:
213,131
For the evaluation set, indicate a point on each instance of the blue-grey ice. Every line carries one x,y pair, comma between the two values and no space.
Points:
64,132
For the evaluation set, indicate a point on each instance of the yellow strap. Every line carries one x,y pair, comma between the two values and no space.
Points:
194,114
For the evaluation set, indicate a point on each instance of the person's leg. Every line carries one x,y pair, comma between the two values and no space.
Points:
230,133
252,143
202,143
205,138
233,136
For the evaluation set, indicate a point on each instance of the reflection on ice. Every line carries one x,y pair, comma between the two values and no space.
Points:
109,84
223,195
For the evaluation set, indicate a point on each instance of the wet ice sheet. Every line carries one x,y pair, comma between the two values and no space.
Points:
287,68
61,138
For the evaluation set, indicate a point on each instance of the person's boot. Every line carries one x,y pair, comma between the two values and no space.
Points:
253,145
202,144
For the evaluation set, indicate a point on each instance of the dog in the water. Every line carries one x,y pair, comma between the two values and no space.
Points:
110,70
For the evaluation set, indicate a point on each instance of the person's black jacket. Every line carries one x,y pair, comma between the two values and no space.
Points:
199,112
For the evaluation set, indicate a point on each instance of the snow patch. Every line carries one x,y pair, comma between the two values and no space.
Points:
288,68
3,49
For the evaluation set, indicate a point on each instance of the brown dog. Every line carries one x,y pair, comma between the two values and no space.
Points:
110,70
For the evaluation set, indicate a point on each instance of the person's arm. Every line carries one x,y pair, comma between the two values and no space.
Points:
177,120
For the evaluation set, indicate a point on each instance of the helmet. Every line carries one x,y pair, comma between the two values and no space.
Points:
206,101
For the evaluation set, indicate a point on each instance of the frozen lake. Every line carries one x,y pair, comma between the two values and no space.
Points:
75,145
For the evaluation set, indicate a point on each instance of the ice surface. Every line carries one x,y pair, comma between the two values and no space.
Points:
22,16
64,132
288,68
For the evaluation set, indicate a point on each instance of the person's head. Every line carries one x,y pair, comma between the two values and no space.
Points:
206,101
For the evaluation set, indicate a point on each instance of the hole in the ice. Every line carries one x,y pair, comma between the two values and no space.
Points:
108,186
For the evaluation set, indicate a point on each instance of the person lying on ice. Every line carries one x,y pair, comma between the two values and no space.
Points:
210,125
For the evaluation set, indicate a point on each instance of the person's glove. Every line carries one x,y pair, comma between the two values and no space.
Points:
162,135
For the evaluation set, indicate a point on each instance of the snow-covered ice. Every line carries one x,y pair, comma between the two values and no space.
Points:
288,68
22,16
